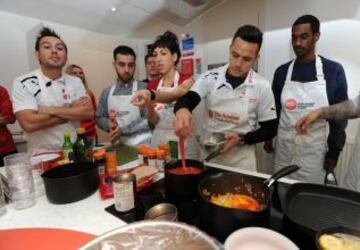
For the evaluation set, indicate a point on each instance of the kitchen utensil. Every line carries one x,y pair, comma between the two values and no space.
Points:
257,238
220,221
70,182
338,232
184,185
311,208
160,235
162,211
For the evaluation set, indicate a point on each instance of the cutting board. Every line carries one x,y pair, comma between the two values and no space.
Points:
43,239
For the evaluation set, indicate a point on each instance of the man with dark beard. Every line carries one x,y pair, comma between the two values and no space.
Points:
115,113
300,86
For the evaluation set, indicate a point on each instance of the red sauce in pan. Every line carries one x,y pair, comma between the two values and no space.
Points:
186,170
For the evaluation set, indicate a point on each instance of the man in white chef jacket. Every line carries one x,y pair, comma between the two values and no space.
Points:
239,102
46,101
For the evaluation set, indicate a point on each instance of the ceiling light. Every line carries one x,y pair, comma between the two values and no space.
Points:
113,8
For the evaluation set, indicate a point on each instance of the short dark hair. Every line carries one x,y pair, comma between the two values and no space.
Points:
249,33
170,41
124,50
46,31
147,57
312,20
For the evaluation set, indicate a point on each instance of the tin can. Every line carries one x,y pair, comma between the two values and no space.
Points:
124,188
111,163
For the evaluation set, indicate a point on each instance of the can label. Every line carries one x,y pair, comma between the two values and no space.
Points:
152,163
124,196
160,163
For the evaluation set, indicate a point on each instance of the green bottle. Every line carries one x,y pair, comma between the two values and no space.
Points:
81,147
67,147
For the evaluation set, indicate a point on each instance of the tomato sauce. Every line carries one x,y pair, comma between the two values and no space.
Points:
185,171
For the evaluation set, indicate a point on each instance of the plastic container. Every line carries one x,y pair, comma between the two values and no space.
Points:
160,160
151,158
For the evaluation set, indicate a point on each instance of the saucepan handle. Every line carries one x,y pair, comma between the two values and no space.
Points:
281,173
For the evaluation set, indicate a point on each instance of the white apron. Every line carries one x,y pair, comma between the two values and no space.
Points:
229,112
126,113
55,134
164,131
352,176
307,151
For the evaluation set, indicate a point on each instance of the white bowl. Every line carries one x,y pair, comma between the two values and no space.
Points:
258,238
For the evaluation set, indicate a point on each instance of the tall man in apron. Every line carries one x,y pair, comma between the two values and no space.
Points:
239,102
47,102
300,86
345,110
129,126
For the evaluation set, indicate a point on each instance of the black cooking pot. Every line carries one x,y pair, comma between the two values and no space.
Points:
70,182
183,185
221,221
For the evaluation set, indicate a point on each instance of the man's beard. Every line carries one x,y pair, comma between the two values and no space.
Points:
126,79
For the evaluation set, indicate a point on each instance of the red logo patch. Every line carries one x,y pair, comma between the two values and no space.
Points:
290,104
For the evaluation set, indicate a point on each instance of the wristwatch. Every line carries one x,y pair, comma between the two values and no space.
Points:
152,95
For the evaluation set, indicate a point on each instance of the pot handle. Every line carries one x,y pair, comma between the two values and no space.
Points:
281,173
212,155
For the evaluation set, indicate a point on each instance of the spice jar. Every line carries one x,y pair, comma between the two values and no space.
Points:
166,148
151,157
141,151
160,159
111,163
99,160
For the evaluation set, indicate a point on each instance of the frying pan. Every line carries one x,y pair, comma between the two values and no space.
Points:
312,208
334,231
220,221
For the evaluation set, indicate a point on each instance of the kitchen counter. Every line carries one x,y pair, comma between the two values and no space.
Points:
87,215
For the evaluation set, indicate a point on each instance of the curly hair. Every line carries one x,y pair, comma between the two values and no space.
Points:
170,41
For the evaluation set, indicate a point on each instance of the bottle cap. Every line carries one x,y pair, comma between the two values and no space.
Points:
80,130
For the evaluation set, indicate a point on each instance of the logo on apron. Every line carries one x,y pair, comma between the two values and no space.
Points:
290,104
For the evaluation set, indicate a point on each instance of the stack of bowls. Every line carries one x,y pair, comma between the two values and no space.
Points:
20,180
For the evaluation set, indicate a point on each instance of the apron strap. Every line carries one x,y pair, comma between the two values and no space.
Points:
318,68
289,72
